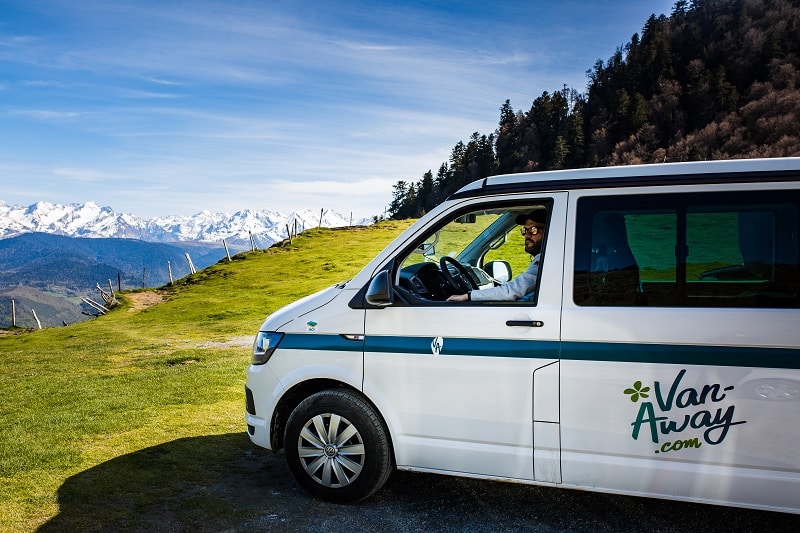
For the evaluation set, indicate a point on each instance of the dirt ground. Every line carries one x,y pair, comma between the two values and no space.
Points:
142,300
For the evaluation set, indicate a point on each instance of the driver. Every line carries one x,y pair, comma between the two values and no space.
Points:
523,286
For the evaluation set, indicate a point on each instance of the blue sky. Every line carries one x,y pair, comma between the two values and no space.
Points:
173,107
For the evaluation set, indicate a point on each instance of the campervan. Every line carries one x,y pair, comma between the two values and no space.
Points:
657,354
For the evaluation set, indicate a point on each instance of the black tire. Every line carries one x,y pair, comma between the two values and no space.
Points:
337,447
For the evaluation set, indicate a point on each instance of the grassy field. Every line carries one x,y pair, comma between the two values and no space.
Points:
93,412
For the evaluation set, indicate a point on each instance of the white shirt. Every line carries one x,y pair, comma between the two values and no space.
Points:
515,289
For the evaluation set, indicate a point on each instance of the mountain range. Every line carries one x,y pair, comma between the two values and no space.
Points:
92,221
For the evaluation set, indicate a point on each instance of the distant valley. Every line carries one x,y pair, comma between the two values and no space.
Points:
51,256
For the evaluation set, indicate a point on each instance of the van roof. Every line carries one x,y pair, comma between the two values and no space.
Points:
703,172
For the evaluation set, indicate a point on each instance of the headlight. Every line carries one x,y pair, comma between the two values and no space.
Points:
266,342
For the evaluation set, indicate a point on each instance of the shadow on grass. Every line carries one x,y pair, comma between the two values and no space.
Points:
206,483
224,483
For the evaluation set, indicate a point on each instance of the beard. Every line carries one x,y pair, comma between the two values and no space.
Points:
533,248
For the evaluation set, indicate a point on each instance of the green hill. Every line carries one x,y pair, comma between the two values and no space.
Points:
50,309
108,390
51,273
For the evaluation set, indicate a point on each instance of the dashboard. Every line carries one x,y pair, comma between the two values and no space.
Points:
426,280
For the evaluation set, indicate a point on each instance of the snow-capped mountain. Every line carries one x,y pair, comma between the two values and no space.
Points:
91,220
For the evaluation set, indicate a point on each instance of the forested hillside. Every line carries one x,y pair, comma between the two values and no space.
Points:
717,79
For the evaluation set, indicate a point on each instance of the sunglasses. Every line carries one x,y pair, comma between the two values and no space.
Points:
533,230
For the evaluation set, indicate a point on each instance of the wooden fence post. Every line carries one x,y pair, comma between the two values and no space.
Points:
13,314
36,317
169,268
227,253
191,265
320,217
144,271
94,305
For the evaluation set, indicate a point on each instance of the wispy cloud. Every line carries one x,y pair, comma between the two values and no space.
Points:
45,84
15,41
160,81
46,115
84,175
144,95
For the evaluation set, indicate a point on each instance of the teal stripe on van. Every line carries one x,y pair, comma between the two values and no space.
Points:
464,347
319,341
680,354
676,354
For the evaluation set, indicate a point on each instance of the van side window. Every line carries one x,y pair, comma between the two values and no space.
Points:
718,249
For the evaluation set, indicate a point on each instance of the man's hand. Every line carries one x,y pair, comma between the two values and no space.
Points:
459,298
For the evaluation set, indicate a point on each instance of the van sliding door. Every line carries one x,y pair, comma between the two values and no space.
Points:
680,368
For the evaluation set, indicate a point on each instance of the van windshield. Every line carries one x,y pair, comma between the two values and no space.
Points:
473,239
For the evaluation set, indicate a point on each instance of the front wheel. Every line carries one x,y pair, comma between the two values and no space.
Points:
337,447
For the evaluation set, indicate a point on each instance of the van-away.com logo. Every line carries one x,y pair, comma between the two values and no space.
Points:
682,418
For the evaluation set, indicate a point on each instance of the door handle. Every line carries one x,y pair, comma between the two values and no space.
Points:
525,323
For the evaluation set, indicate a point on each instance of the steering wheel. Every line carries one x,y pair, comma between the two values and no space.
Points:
461,283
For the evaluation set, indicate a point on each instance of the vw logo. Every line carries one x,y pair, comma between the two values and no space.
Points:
330,450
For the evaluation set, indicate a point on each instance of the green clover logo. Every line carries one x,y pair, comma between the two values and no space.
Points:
637,391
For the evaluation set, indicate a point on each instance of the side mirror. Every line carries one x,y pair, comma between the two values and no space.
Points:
428,248
499,270
379,292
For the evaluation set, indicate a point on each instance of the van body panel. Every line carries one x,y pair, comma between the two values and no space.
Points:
324,342
546,452
286,314
692,482
546,424
463,425
267,391
429,359
323,339
333,319
636,176
695,429
702,327
666,401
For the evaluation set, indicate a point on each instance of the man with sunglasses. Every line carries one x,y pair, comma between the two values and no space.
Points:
522,287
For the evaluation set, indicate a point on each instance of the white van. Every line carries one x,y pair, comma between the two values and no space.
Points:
658,354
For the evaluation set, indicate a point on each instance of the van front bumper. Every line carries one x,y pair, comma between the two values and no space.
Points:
262,391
